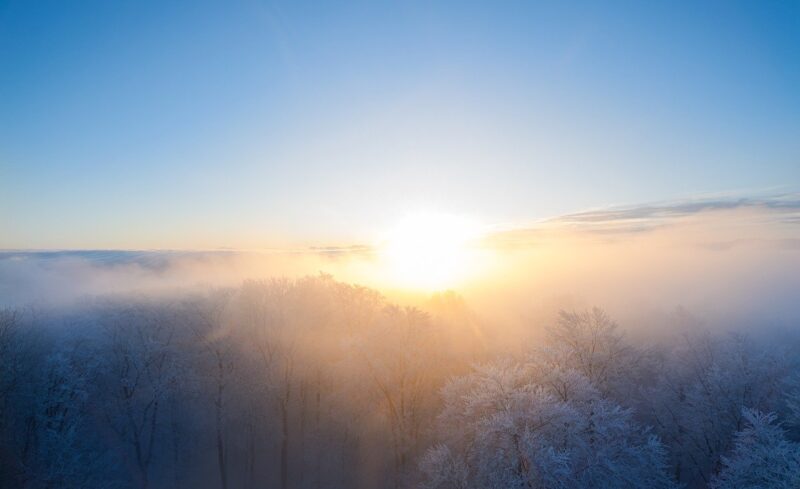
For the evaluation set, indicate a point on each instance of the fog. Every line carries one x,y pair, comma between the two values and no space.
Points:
727,261
640,346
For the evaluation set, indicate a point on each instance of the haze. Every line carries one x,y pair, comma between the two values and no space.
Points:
439,245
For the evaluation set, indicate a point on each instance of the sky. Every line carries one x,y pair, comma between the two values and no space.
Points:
253,124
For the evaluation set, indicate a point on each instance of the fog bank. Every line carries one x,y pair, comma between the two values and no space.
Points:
723,261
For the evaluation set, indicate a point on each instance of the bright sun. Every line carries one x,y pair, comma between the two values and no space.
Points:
429,251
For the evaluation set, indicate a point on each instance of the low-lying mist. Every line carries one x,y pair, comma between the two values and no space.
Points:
309,368
729,263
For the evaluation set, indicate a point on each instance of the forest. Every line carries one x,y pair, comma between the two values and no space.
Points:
314,383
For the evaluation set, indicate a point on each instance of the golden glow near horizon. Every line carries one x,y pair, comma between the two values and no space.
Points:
428,251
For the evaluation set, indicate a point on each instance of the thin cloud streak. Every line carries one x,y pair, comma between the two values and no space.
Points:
781,209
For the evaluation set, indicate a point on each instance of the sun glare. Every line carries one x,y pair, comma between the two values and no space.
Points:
429,251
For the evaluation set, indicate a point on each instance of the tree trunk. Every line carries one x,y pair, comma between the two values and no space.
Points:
318,435
175,450
223,473
285,445
303,403
223,469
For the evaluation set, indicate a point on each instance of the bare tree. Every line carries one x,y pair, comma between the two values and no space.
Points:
138,374
213,334
266,313
399,354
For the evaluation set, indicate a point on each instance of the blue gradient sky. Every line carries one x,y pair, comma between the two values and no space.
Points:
247,124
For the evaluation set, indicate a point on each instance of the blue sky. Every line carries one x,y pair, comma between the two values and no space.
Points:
247,124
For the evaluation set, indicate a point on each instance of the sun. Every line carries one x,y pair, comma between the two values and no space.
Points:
428,251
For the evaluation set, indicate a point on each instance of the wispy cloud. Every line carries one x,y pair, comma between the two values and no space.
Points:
334,252
654,214
619,221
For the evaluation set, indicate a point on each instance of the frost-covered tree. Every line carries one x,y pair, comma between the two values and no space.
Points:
311,383
793,400
762,457
60,452
500,430
696,401
589,343
13,376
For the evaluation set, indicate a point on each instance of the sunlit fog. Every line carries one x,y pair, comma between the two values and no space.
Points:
312,245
